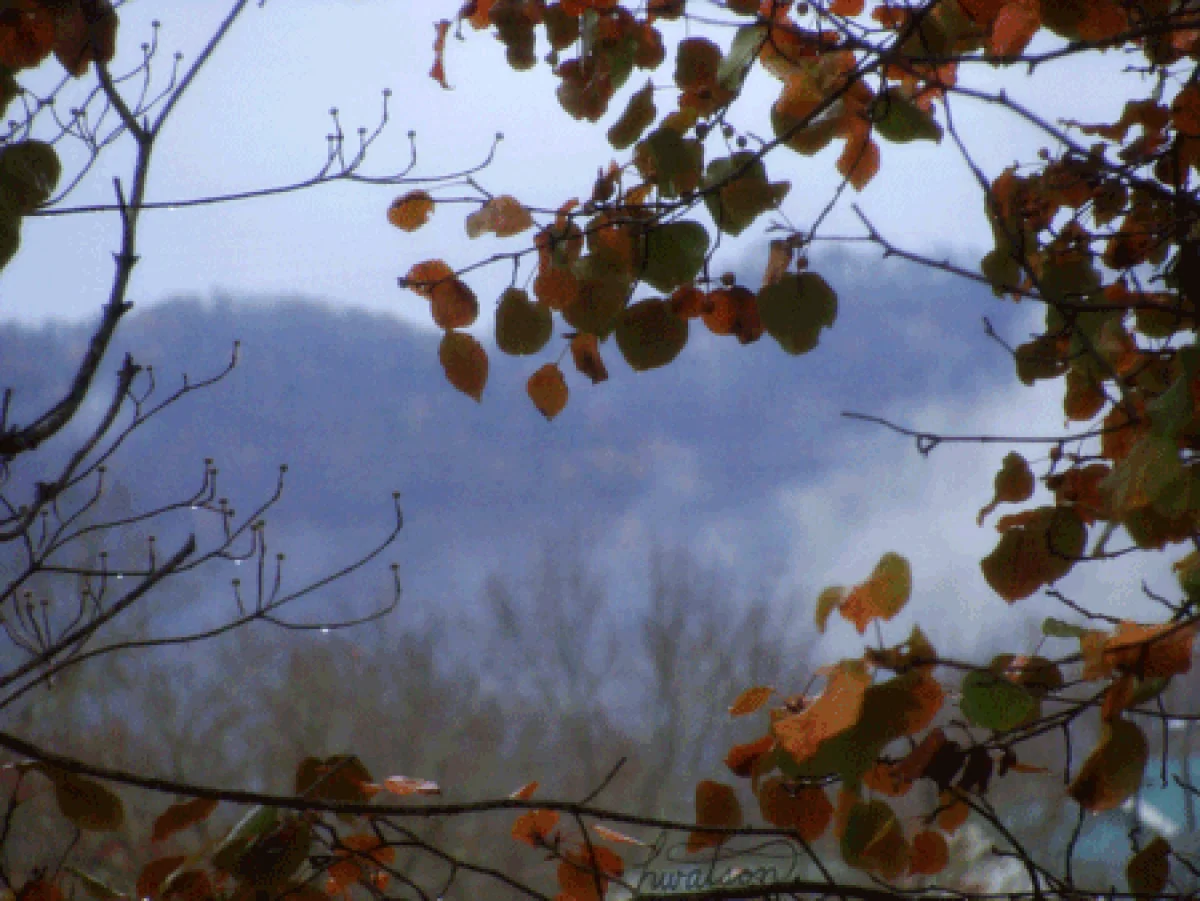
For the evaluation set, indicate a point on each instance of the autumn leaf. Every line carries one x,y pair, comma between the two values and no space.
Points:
834,711
612,835
438,70
1151,651
548,390
525,792
805,809
882,596
1113,771
741,759
406,785
534,827
504,216
585,351
750,700
716,805
1014,483
423,277
453,304
465,363
411,211
180,816
930,854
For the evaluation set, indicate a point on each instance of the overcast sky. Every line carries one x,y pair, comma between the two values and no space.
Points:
258,117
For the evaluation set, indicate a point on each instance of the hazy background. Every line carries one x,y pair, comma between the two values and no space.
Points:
573,592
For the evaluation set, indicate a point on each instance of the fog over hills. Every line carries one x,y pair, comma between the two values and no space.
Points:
693,455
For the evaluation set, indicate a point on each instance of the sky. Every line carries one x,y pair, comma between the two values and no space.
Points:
258,116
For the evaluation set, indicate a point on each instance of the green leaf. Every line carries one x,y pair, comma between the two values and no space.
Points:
603,293
638,115
29,170
1001,270
669,161
86,803
737,191
675,253
899,120
732,71
257,821
795,309
993,702
1149,475
649,334
1056,628
522,327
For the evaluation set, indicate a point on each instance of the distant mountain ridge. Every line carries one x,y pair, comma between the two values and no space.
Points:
356,404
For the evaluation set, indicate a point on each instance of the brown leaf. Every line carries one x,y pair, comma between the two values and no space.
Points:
716,805
585,350
438,70
180,816
454,304
465,363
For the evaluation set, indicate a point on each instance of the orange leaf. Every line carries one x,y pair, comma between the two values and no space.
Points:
836,710
454,304
423,277
882,596
859,161
503,215
741,758
548,390
953,813
534,827
846,7
613,835
406,785
525,792
411,211
807,810
750,700
180,816
465,363
1151,651
716,805
929,854
584,877
438,70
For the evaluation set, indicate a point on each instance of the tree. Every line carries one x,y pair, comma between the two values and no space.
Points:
866,780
